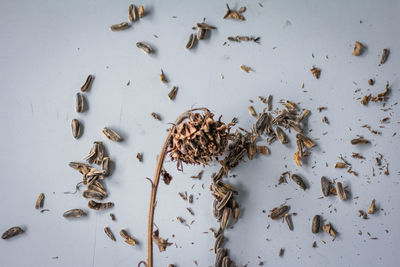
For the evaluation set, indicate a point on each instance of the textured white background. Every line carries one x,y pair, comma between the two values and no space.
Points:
47,49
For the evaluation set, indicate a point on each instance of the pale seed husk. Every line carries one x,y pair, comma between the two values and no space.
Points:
132,13
372,207
74,213
141,11
111,134
341,193
144,47
93,194
173,92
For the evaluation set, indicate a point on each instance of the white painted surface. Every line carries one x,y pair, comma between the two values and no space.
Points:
49,47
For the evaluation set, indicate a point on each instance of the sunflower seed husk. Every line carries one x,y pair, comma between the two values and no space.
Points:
358,49
111,134
119,27
205,26
13,231
252,111
128,238
385,55
191,41
98,187
74,213
298,180
105,165
262,150
279,212
226,215
99,206
341,193
221,253
316,224
372,207
86,86
328,228
76,128
218,243
307,141
162,77
92,194
79,103
39,201
325,186
110,234
231,14
281,135
156,116
132,13
359,141
173,92
315,72
141,11
224,201
144,47
288,219
201,32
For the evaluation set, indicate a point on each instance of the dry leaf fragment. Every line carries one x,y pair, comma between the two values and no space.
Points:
160,242
358,49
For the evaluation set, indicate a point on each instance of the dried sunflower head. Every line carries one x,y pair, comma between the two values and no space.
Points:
198,139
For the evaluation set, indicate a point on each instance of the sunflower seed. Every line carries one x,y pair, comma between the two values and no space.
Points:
74,213
92,194
281,135
39,201
201,33
119,27
316,224
218,243
100,206
298,180
145,47
279,212
110,234
288,219
226,214
340,191
128,238
325,186
191,42
224,201
141,11
76,128
111,134
86,86
132,13
79,103
13,231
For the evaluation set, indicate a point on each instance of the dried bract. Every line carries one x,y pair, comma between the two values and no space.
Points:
231,14
160,242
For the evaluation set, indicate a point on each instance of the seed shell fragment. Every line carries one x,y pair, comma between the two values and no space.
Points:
340,191
76,128
144,47
39,201
298,180
316,224
109,233
13,231
86,86
191,42
74,213
173,92
279,212
119,27
100,206
111,134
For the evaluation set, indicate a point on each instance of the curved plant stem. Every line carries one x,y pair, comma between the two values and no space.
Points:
156,181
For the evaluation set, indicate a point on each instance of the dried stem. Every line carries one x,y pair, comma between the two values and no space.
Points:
156,181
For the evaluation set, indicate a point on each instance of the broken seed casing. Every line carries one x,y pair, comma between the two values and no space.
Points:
281,135
341,193
105,165
111,134
141,11
173,92
262,150
128,239
328,228
132,13
385,55
358,49
99,206
110,234
224,201
76,128
144,47
74,213
162,77
288,219
277,213
191,41
315,72
252,111
201,32
316,224
79,103
340,165
205,26
359,141
11,232
245,68
92,194
86,86
372,207
39,201
156,116
298,180
119,27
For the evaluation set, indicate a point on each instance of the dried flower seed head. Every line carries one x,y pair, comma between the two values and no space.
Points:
358,49
198,139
